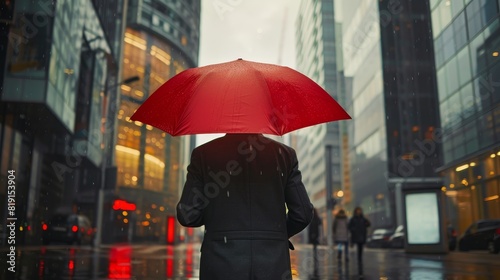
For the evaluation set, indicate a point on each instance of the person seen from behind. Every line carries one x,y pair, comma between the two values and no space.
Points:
240,187
358,226
341,234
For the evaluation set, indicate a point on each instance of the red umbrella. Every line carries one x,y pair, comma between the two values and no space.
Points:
238,97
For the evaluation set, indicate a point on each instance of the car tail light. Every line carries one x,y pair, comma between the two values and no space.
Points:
74,228
497,232
45,227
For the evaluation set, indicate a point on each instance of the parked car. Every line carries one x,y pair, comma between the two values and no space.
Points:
69,229
379,238
397,239
479,235
494,244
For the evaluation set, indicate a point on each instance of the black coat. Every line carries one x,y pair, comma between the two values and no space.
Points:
237,186
358,226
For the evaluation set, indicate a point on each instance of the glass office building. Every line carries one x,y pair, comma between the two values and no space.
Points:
161,40
388,65
316,58
467,45
58,59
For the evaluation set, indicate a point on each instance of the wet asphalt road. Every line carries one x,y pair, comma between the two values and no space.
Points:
182,262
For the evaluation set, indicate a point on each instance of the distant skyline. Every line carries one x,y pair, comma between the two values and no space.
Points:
251,30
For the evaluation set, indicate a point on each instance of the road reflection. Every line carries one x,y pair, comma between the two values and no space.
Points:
119,262
181,262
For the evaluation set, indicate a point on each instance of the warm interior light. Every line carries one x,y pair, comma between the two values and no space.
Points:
127,150
492,156
462,167
125,88
495,54
490,198
472,164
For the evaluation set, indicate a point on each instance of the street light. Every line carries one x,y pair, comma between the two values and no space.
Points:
340,194
100,199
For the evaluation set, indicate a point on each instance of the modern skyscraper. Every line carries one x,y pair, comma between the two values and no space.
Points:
59,60
388,63
467,45
316,58
161,40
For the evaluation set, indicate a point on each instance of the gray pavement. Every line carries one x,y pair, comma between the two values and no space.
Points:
182,262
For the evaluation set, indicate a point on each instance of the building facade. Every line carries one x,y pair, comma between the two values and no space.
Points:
388,63
467,43
319,147
161,40
59,57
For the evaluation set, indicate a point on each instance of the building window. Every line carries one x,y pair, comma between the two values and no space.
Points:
128,170
155,20
464,68
474,17
460,31
492,200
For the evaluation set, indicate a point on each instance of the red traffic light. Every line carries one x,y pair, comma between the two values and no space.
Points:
120,204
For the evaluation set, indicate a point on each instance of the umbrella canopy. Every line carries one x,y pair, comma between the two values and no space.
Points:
238,97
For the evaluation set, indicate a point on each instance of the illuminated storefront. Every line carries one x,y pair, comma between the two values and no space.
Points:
466,40
158,44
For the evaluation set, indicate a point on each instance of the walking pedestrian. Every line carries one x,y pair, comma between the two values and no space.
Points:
358,226
314,238
341,235
315,229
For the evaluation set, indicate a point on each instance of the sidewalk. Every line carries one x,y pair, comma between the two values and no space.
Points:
395,264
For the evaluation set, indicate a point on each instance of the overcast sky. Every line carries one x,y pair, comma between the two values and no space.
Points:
250,29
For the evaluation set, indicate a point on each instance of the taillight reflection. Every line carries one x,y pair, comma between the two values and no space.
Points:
170,261
189,261
74,228
119,262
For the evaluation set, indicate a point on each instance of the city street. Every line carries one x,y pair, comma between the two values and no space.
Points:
181,262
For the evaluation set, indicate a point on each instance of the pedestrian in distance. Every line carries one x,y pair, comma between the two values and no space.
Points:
237,187
358,227
341,234
314,239
315,230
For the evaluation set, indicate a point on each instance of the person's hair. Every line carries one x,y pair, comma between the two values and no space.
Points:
356,210
341,212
